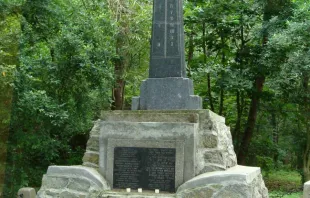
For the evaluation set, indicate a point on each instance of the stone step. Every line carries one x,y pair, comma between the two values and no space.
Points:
144,194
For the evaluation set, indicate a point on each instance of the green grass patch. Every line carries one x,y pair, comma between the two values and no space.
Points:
278,194
282,182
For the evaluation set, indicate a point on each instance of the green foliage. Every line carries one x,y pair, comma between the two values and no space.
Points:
58,59
283,182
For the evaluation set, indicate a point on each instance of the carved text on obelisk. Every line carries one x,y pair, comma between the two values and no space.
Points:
166,56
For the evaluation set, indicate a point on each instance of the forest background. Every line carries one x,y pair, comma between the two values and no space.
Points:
62,61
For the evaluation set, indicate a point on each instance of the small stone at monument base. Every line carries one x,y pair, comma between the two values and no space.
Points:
135,104
306,193
140,190
27,193
156,191
128,189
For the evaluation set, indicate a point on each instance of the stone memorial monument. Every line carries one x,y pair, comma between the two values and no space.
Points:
167,86
167,146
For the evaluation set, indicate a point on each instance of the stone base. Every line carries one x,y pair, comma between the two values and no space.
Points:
236,182
116,194
71,182
206,164
166,93
207,142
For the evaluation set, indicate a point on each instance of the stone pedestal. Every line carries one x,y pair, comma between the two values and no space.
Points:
195,144
166,93
201,134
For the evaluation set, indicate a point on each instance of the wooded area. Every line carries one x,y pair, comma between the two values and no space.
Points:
62,61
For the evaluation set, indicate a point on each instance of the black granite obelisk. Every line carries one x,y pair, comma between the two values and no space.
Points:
167,86
167,46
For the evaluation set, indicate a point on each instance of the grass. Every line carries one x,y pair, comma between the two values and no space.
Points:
276,194
284,184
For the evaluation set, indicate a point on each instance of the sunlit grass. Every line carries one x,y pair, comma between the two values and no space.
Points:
284,184
276,194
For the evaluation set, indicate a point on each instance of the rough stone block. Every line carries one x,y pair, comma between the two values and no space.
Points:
236,182
306,193
55,182
135,103
91,157
96,128
93,143
214,157
80,182
27,193
209,141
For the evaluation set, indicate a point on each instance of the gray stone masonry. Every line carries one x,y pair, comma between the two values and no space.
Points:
26,193
306,193
134,194
236,182
71,182
207,140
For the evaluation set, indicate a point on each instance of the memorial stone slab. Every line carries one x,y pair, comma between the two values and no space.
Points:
146,168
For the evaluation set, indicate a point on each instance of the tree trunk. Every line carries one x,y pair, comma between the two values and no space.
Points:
275,137
271,8
248,132
306,107
119,70
204,48
191,49
237,130
221,107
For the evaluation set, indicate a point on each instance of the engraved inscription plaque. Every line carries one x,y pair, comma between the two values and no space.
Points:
147,168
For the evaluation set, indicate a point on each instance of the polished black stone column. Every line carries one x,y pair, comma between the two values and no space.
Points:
167,86
167,44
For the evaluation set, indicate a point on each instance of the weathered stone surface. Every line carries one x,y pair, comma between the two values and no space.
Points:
135,194
93,143
148,134
54,181
186,116
27,193
212,135
71,182
209,141
91,157
167,93
236,182
66,194
214,157
79,184
306,193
